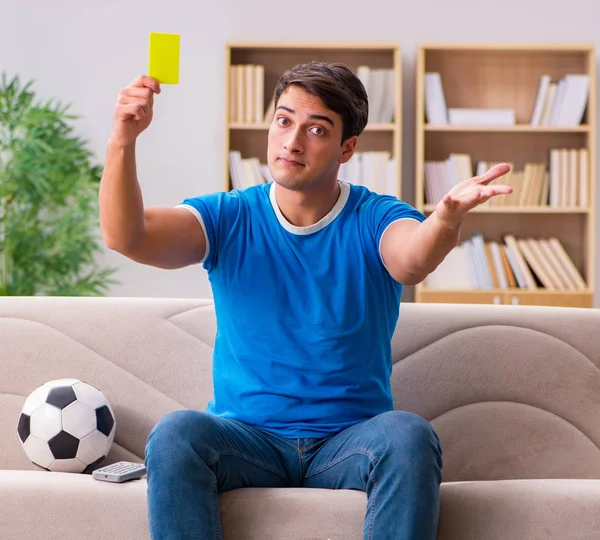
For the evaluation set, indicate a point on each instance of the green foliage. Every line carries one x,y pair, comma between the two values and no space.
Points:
48,200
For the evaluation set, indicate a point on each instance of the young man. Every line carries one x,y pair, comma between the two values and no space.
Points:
307,274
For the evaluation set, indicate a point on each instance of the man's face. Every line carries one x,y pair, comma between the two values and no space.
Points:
305,149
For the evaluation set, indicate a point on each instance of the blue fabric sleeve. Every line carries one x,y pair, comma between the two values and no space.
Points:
384,210
219,212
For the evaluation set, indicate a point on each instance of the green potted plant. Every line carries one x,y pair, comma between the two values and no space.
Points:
48,200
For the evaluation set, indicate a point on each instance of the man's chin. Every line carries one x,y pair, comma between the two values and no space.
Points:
286,182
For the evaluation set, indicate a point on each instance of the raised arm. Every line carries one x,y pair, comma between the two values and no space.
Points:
162,237
412,250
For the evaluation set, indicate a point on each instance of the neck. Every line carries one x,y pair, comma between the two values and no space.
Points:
305,208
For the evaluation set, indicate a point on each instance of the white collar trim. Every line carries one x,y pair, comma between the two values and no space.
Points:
322,223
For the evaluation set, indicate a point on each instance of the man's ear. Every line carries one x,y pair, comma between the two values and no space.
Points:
348,148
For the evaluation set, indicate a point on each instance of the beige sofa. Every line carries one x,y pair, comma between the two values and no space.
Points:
514,393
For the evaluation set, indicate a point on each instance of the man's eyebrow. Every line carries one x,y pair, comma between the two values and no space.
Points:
312,116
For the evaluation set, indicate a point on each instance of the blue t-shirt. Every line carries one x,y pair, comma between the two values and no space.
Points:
305,315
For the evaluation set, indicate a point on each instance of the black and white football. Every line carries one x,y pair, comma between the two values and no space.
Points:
67,425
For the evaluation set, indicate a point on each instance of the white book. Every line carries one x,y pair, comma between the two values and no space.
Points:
474,275
573,177
355,169
558,103
389,96
526,273
429,181
233,93
463,166
351,170
251,174
498,265
483,265
566,280
380,171
364,75
240,93
392,180
512,260
538,107
549,104
554,188
366,170
564,177
259,94
567,263
257,171
452,172
377,85
452,273
545,263
482,167
435,103
444,180
249,89
575,98
584,201
235,169
481,117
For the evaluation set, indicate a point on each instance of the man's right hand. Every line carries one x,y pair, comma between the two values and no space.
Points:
133,112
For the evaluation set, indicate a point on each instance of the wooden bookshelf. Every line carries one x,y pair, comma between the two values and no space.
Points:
507,76
250,139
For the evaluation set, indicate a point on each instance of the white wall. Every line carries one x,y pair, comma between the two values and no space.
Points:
83,52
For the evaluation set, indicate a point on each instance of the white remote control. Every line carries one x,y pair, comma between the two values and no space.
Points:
120,472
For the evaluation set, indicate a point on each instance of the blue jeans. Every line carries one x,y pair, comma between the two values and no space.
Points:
192,456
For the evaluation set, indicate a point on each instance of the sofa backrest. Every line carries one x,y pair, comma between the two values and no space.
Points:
513,391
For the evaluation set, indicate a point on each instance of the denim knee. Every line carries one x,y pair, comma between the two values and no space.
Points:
180,430
408,432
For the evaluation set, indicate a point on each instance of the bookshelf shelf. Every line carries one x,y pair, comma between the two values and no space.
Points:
506,291
552,160
246,133
544,48
428,208
509,297
523,128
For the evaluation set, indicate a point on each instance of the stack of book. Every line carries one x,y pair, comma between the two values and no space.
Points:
438,114
246,172
381,90
247,87
374,170
563,182
561,103
525,263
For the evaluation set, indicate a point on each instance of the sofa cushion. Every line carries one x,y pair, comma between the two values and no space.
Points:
513,391
77,506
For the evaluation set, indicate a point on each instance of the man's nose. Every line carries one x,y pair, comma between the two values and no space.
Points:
293,143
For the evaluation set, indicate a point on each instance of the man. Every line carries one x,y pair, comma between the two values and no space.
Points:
307,274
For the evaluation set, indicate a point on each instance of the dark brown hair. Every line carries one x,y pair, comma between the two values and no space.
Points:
338,88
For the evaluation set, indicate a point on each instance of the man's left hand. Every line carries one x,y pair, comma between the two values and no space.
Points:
471,193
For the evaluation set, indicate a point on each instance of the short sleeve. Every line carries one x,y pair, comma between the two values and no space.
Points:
383,210
217,214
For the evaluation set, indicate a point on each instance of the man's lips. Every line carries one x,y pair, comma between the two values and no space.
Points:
290,162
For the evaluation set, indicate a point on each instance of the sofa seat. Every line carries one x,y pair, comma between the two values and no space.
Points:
77,506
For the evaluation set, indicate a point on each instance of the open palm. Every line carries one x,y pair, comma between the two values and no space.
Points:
471,193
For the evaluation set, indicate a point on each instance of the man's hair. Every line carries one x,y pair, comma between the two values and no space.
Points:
337,87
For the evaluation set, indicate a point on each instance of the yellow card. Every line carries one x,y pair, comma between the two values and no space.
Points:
163,58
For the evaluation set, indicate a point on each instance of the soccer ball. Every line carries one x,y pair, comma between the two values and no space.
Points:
67,425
